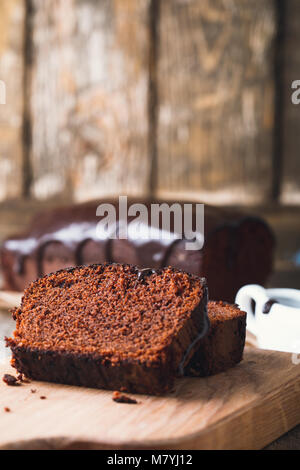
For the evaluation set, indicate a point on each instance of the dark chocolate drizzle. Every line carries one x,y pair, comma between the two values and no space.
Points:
268,305
202,333
142,273
73,225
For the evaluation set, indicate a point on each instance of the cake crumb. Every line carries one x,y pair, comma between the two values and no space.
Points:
33,390
6,409
43,397
10,380
121,398
23,379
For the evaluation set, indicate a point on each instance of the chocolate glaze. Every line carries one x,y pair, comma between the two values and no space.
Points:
205,327
268,305
75,226
142,273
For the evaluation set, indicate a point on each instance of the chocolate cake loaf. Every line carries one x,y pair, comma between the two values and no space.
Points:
237,250
110,326
223,346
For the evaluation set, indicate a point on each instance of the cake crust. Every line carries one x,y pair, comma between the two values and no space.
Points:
223,346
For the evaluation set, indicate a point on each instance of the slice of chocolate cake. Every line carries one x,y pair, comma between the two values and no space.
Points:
223,346
110,326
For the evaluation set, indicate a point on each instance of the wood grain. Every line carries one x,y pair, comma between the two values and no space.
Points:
215,89
291,123
12,13
89,98
10,299
245,408
131,96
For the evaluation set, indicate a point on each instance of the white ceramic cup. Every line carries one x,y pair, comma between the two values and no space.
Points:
275,320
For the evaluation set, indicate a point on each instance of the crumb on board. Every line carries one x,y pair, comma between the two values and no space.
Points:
33,390
121,398
43,397
23,379
6,409
10,380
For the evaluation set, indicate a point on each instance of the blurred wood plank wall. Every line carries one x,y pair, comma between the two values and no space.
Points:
89,97
216,89
290,193
12,13
166,97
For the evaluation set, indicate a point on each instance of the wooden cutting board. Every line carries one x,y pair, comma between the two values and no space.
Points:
10,299
245,408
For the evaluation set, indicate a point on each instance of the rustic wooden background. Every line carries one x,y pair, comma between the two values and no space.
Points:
176,98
